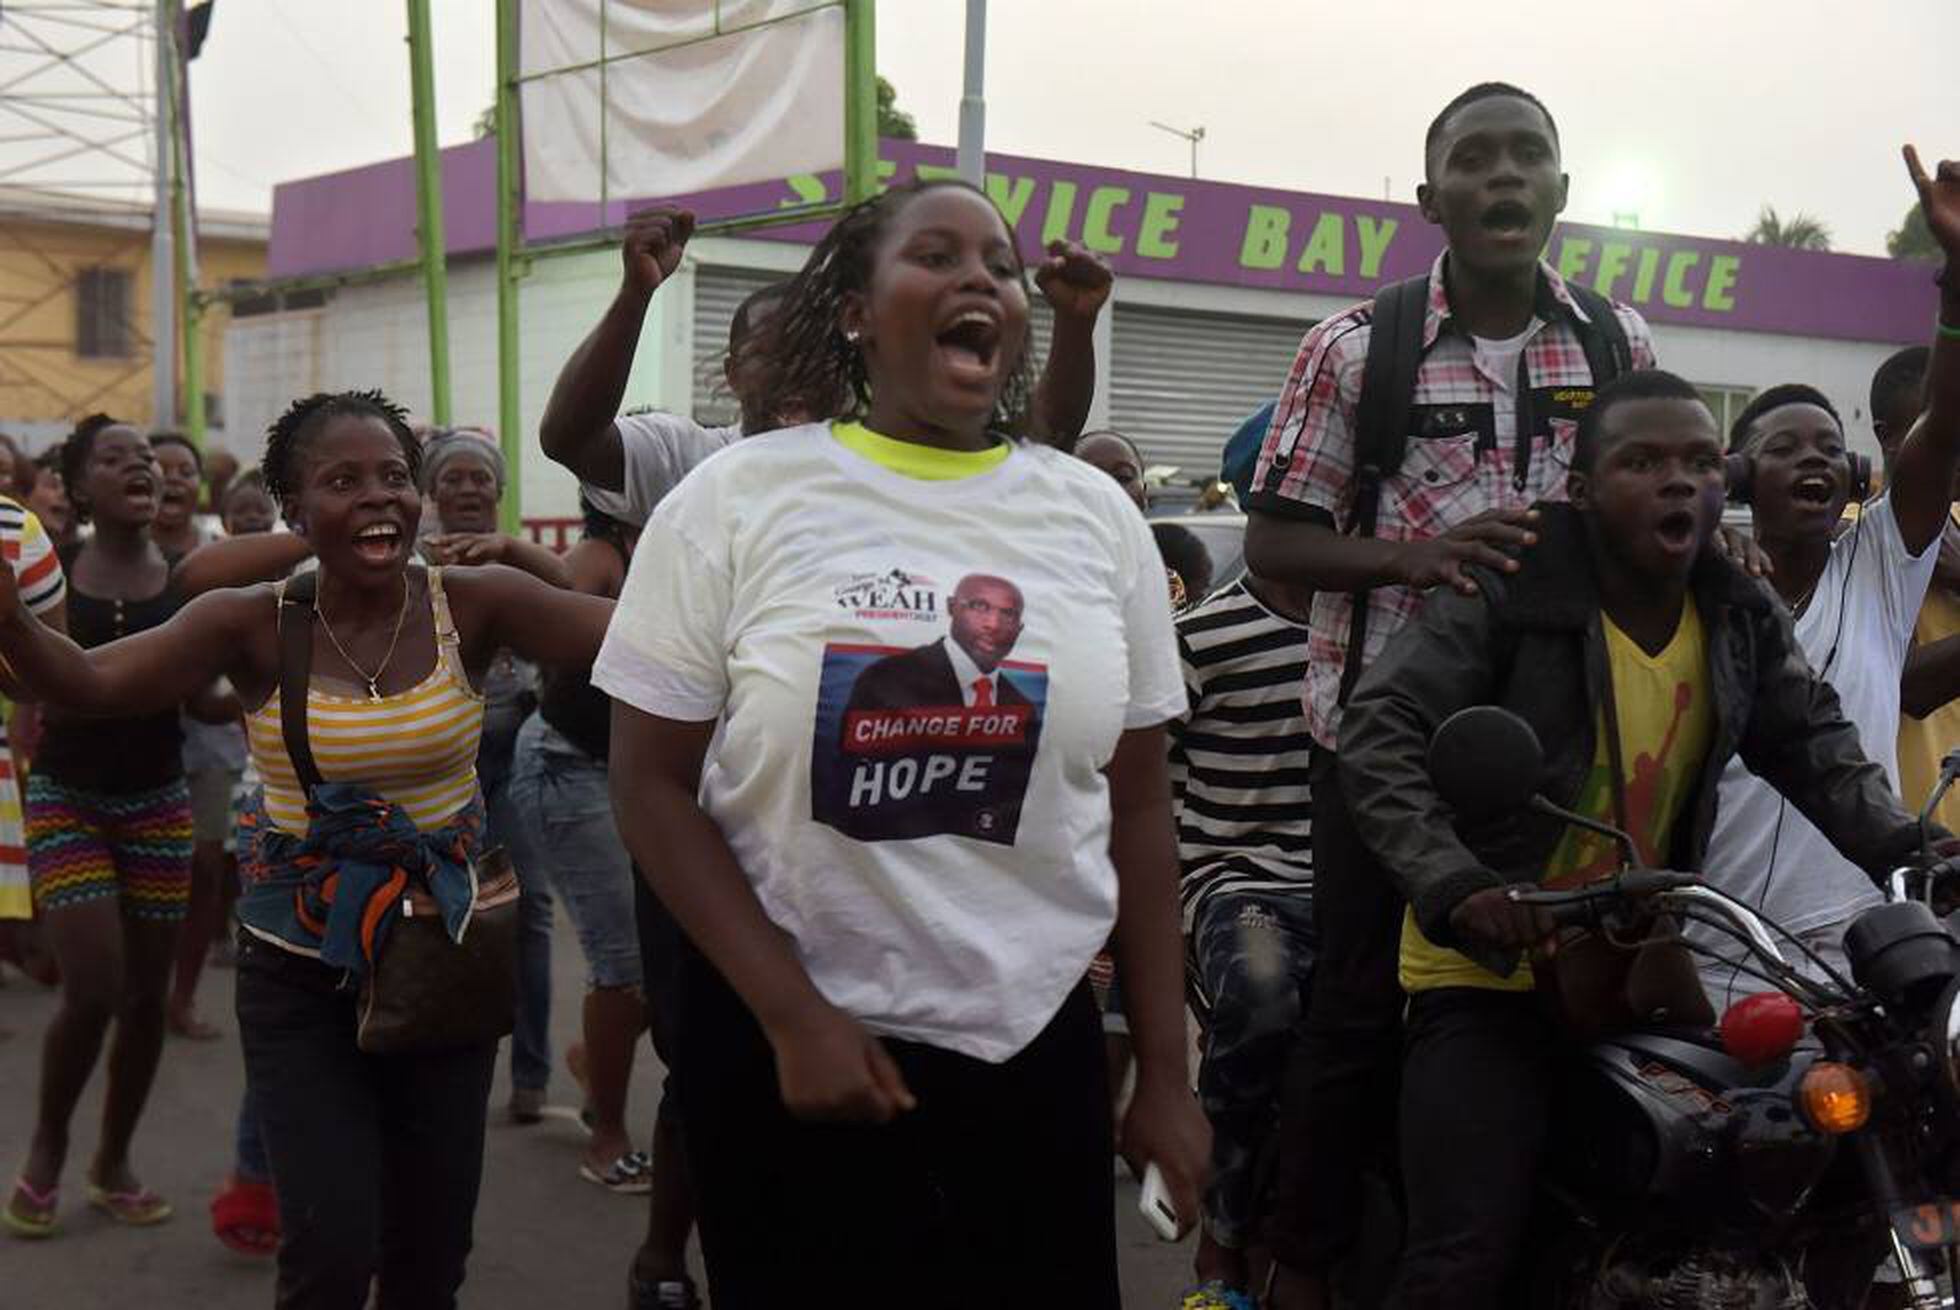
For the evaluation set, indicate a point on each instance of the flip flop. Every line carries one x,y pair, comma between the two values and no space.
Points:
630,1175
29,1225
139,1209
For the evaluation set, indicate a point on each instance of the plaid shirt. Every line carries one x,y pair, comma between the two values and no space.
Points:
1465,454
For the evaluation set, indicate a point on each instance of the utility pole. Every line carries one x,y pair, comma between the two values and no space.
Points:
973,97
1193,135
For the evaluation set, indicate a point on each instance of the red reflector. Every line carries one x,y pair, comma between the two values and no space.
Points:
1761,1028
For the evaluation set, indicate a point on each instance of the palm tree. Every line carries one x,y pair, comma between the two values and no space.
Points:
1799,232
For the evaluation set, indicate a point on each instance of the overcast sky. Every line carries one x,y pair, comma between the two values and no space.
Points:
1690,113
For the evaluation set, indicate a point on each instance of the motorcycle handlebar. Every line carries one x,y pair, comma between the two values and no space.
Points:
1581,907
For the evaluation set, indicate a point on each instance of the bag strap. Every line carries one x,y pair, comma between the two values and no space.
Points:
1381,427
296,595
1603,336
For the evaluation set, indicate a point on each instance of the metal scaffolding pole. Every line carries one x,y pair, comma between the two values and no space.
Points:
163,257
428,204
510,432
861,103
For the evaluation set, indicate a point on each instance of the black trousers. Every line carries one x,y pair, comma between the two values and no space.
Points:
1475,1100
997,1184
376,1158
1337,1107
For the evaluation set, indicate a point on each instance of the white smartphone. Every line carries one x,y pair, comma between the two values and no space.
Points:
1154,1201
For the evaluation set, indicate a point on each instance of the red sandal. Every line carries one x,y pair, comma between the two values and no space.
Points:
245,1217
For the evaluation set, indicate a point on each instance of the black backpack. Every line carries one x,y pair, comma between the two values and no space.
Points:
1388,388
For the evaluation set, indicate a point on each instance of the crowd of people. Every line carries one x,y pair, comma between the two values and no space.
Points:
916,799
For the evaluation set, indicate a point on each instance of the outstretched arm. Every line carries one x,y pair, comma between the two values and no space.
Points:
1076,284
239,562
1929,458
154,670
499,607
577,429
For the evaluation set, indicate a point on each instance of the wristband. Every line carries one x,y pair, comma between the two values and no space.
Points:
1948,331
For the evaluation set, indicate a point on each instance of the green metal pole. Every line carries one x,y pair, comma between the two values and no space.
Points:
428,203
509,421
190,313
860,101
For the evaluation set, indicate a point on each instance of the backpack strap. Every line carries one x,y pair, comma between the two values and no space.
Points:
1381,427
296,596
1603,336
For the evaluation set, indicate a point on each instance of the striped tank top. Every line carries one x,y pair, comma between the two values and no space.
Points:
416,748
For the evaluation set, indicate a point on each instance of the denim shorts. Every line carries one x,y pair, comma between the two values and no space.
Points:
564,803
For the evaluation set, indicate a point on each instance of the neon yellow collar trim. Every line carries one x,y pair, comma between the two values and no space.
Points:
910,459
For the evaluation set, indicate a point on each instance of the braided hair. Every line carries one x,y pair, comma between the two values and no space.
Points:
74,452
292,432
809,365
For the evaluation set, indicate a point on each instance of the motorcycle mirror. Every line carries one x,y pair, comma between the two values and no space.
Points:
1485,761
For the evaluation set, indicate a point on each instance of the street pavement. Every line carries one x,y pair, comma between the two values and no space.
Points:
544,1238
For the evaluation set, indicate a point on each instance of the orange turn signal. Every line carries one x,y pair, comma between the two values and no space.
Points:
1836,1098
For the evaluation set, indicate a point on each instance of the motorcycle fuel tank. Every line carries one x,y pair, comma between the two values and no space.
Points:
1648,1119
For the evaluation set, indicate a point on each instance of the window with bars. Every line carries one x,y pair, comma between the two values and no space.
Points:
102,313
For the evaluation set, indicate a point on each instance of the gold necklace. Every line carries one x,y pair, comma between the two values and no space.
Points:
374,682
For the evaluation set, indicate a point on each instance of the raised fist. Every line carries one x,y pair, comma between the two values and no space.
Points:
655,239
1074,280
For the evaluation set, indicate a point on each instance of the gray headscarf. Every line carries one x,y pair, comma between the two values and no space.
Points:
448,444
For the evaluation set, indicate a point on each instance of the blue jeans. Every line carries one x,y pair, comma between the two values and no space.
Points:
1252,953
530,1041
562,799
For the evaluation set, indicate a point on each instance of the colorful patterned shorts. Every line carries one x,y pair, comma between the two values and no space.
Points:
84,845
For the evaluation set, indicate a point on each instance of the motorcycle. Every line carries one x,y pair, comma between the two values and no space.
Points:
1776,1160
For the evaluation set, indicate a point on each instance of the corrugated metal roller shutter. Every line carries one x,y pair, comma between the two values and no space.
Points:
1181,381
717,292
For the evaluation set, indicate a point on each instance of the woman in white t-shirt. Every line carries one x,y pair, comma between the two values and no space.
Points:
890,742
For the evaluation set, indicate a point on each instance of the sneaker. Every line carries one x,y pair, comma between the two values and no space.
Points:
1217,1294
677,1294
526,1105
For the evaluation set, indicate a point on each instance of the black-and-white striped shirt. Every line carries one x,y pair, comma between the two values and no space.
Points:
1239,755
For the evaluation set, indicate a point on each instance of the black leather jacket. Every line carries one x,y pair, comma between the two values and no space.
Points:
1532,643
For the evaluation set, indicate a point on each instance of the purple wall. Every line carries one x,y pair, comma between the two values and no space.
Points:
1150,225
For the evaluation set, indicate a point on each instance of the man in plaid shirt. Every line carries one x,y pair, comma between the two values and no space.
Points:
1501,383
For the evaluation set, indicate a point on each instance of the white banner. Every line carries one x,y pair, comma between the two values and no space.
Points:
745,106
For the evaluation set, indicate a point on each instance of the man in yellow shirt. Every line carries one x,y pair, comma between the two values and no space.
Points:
1645,662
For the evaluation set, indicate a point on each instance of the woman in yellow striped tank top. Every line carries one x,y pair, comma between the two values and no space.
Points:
393,706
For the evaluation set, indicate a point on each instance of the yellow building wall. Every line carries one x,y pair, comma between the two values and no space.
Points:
42,377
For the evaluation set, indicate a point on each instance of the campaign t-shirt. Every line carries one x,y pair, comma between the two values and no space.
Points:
919,684
1856,632
658,451
1666,719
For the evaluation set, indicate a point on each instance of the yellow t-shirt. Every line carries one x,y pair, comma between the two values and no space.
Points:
910,459
1923,743
1666,727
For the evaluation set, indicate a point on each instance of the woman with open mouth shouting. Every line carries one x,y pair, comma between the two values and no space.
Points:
377,1157
109,837
940,670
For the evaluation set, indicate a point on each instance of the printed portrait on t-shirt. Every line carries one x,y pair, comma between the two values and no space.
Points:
931,740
